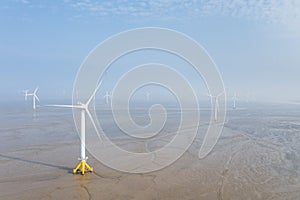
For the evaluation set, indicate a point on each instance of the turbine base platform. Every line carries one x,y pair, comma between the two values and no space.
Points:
82,167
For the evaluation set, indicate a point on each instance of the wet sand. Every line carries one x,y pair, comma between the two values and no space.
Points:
257,157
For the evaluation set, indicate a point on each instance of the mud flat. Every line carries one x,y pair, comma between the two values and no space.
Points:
257,157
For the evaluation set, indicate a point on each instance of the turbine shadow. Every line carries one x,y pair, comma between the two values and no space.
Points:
70,170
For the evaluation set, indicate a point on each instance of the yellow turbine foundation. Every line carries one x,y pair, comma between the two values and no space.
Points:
82,167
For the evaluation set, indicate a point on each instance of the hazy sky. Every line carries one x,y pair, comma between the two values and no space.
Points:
255,44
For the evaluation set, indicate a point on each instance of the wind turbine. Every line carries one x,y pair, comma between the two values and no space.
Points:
248,97
215,98
234,98
148,96
107,97
82,166
34,97
25,94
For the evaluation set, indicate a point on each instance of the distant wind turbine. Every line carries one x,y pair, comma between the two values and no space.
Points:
107,97
25,94
248,97
215,99
234,98
82,166
148,96
34,97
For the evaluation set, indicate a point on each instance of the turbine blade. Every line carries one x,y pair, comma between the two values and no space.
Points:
36,97
220,94
91,118
36,89
64,106
92,96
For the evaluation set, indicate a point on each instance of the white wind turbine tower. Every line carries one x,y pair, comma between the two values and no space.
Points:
34,97
234,98
107,97
82,166
215,99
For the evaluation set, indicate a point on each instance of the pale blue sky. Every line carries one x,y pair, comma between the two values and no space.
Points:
255,44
